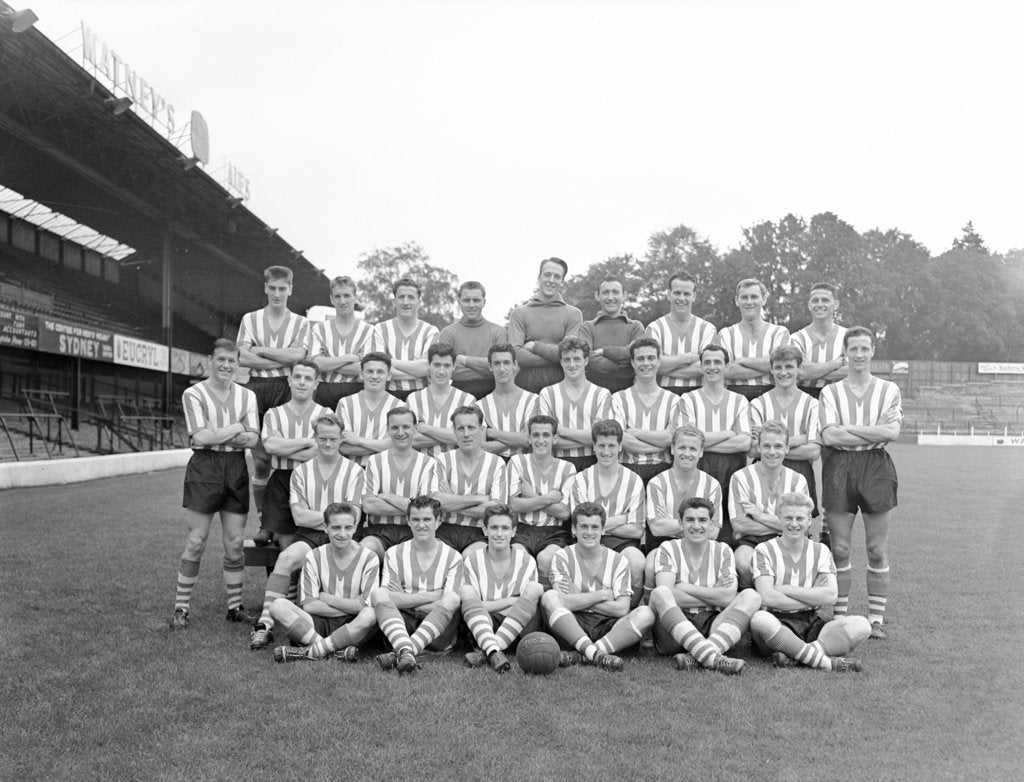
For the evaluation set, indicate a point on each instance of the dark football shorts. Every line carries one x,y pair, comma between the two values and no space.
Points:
536,538
858,480
414,618
751,392
277,513
615,543
701,619
648,471
216,481
595,626
389,534
325,625
329,394
752,540
314,538
270,392
459,536
806,625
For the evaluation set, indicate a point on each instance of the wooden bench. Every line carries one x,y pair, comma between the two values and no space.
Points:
260,556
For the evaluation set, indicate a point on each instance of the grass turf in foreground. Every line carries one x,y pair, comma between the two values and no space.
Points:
94,685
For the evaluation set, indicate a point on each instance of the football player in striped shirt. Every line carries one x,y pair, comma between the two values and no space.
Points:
335,615
609,336
588,605
668,490
647,413
576,404
270,341
288,438
365,413
393,478
434,404
535,485
326,479
338,343
751,341
696,601
754,493
471,479
405,338
681,336
221,420
621,493
821,342
507,409
471,336
795,577
417,603
859,415
724,418
500,592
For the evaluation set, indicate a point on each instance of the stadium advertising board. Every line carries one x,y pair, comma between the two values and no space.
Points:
19,330
140,353
68,339
1000,368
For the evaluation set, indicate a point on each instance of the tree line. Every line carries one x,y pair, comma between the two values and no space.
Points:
966,304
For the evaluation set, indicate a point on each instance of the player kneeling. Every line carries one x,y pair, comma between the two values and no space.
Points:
587,607
334,593
795,576
500,596
418,602
695,597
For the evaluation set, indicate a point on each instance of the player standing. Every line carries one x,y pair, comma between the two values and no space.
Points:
859,415
336,616
500,593
536,328
751,341
681,336
337,345
221,420
821,342
471,336
609,336
795,577
507,409
696,600
434,404
270,341
405,338
588,605
365,413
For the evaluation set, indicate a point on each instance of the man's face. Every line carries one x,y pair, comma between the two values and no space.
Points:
328,440
302,382
278,290
859,351
795,521
401,430
375,375
712,366
686,451
772,449
439,371
550,280
504,367
469,433
751,301
681,296
696,523
646,362
423,523
499,532
224,364
606,449
610,295
344,300
471,302
541,438
341,529
822,304
785,372
407,301
587,530
573,364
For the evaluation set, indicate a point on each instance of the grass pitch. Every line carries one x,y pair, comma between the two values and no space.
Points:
94,686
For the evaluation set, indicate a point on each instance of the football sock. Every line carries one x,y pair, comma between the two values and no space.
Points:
478,620
565,626
277,586
234,572
293,586
339,639
623,635
686,635
843,577
732,623
878,593
188,572
392,625
785,640
430,628
517,616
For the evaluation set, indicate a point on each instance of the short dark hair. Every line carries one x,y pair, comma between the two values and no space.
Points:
375,355
643,342
688,430
405,282
225,344
341,509
498,509
424,501
831,287
343,281
400,410
501,347
277,273
437,349
472,285
468,410
708,348
684,276
305,362
573,343
773,427
541,418
606,427
589,509
696,502
786,353
559,261
858,331
613,278
331,420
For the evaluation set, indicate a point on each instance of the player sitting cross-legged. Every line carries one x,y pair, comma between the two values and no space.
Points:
795,576
334,592
418,602
587,607
500,593
695,599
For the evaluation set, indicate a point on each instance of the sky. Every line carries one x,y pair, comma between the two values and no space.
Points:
496,134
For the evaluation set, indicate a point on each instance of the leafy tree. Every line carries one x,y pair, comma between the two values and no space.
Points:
970,240
379,270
